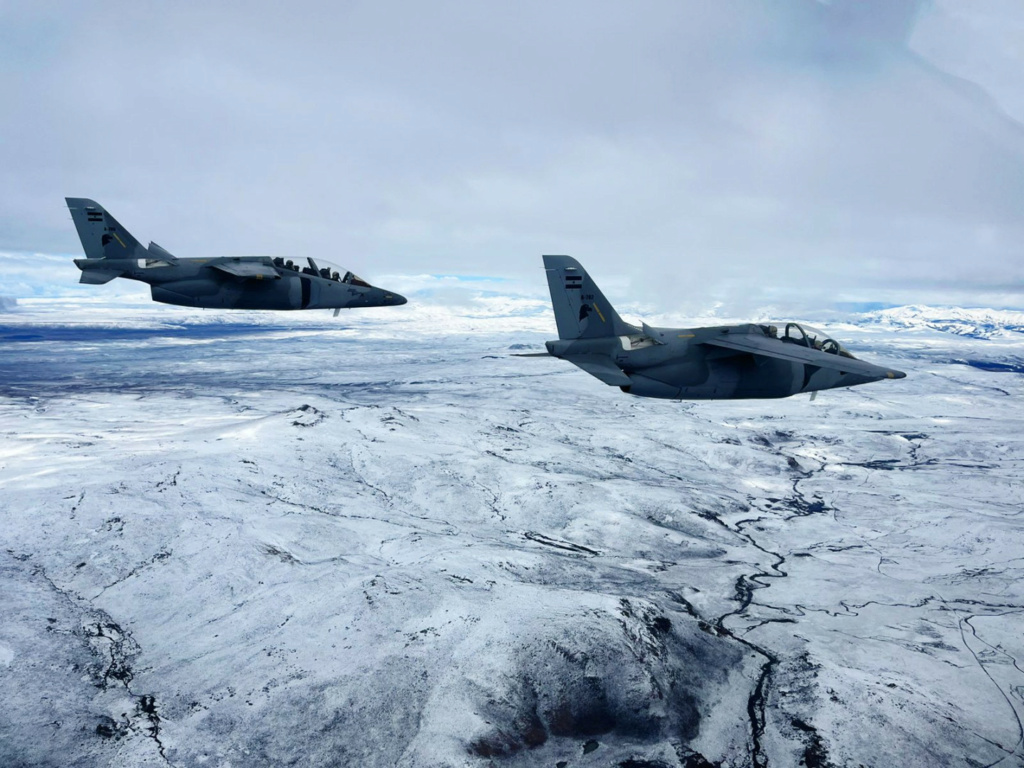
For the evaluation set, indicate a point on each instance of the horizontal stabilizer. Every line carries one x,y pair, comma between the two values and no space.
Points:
254,269
601,367
98,276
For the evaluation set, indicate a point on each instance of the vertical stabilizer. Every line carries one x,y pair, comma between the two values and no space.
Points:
101,235
581,310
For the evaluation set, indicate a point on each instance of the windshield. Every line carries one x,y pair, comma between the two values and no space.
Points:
806,336
353,279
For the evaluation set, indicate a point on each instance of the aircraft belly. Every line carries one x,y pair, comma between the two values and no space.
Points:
769,377
684,373
197,292
165,295
664,381
644,386
261,294
745,376
217,294
716,374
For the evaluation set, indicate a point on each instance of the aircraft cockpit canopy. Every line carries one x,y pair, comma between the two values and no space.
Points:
324,269
806,336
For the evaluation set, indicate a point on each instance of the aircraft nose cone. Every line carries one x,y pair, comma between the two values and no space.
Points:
896,375
395,299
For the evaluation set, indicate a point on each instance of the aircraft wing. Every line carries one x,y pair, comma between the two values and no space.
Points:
601,367
769,347
253,269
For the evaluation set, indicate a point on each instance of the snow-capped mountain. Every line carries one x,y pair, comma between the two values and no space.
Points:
976,323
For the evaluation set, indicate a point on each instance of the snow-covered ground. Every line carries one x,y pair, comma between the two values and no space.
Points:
262,540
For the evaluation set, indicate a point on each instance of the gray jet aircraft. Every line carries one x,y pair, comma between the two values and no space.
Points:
721,362
240,282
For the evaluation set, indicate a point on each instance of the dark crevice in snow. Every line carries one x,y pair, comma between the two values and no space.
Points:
118,650
565,546
159,557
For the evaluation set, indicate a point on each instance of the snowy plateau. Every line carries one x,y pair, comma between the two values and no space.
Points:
269,540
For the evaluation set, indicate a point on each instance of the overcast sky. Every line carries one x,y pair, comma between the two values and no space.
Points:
688,152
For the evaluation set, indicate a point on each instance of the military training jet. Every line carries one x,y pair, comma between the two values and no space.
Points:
721,362
240,282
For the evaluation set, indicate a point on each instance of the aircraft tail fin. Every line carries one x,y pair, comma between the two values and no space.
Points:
101,235
581,310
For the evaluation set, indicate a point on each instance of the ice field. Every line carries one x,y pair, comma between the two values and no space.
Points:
266,540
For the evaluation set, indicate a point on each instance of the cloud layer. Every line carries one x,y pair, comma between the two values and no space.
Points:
740,152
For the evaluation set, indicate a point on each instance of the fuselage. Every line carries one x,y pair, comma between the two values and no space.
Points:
685,364
721,362
241,282
213,283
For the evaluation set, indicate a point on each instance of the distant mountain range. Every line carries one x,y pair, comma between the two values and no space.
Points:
976,323
498,314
